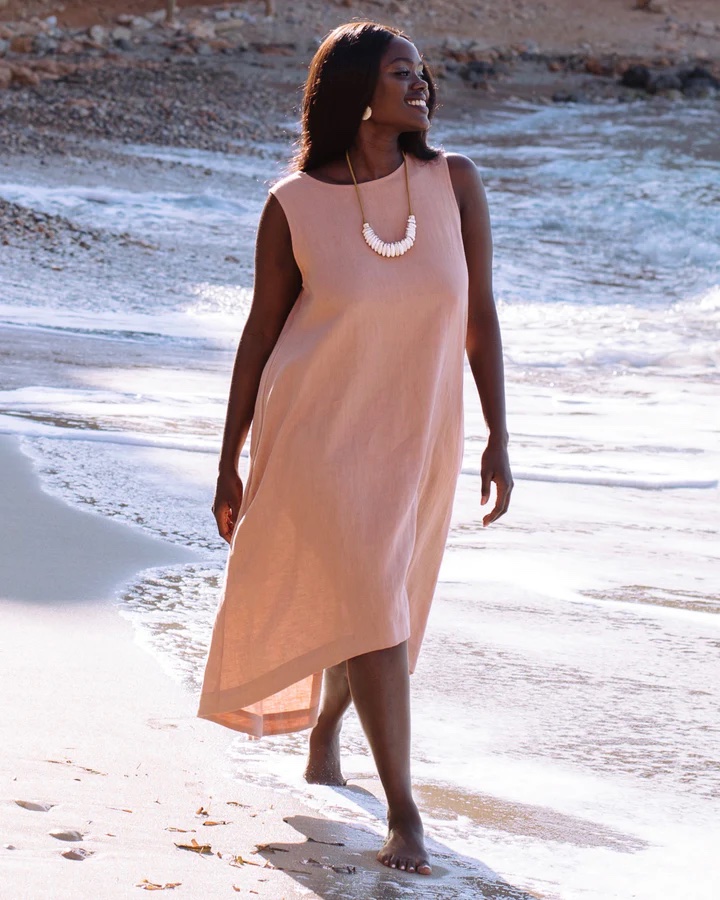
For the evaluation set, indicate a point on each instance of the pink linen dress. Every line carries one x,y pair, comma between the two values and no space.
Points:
355,450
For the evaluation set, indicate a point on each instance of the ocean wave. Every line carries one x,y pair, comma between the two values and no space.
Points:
643,483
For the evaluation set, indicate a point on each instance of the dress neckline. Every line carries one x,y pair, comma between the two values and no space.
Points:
361,184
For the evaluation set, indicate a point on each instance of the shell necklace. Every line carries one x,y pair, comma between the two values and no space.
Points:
383,248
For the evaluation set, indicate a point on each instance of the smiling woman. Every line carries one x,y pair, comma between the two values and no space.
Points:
350,368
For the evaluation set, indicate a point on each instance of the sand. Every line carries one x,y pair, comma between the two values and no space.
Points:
103,748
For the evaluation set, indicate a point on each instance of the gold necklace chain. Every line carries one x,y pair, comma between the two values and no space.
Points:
383,248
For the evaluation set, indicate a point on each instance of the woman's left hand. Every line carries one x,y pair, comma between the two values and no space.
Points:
495,467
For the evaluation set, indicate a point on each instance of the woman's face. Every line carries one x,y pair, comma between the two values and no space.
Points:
400,81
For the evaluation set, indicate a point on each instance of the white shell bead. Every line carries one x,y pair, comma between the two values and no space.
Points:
396,248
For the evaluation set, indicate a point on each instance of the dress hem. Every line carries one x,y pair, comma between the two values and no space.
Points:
229,707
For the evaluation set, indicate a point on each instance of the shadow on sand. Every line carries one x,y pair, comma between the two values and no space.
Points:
337,861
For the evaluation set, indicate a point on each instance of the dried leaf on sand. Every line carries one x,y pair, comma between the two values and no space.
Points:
201,812
213,822
270,848
312,840
152,886
241,861
342,870
69,762
195,847
183,830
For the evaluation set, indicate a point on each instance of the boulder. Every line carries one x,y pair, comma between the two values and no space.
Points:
121,33
98,34
24,76
637,76
203,31
664,81
477,69
140,24
22,43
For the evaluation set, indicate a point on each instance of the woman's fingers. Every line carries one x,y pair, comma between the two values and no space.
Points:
226,505
502,501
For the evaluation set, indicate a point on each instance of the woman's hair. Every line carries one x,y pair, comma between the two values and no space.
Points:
340,84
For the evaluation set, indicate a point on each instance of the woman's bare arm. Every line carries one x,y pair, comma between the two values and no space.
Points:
484,345
277,284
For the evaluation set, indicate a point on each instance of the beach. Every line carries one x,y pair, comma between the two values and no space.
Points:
565,734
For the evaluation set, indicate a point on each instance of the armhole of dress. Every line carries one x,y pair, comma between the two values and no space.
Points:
288,218
448,181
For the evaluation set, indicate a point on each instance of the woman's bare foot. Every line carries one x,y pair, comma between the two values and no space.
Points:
323,766
405,845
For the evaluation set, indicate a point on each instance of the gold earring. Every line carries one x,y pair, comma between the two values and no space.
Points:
368,112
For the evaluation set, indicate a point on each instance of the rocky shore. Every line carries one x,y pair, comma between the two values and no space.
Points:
227,77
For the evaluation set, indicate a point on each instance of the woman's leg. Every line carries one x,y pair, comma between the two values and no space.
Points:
380,687
323,765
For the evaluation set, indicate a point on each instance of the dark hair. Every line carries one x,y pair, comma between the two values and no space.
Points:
340,84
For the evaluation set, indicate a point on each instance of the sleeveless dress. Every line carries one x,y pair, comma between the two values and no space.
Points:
355,451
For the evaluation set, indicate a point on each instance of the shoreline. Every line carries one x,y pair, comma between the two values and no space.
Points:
104,749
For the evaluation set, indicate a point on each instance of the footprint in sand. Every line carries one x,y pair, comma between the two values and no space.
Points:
78,853
35,806
66,834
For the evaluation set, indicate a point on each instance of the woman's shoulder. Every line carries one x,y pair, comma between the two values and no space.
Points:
460,166
285,182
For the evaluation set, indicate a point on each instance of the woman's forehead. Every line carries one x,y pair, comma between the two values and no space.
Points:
400,48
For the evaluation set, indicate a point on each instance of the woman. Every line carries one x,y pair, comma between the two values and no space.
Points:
372,278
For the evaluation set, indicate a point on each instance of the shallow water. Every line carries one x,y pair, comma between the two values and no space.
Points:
565,703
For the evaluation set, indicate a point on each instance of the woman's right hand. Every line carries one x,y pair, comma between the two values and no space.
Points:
228,497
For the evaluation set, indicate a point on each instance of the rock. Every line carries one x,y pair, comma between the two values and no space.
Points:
51,21
4,46
566,97
43,43
5,77
528,49
203,31
124,19
156,16
705,29
121,33
637,76
476,70
98,34
229,27
67,48
49,67
22,43
596,66
222,15
654,6
25,77
124,44
140,23
697,74
664,81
